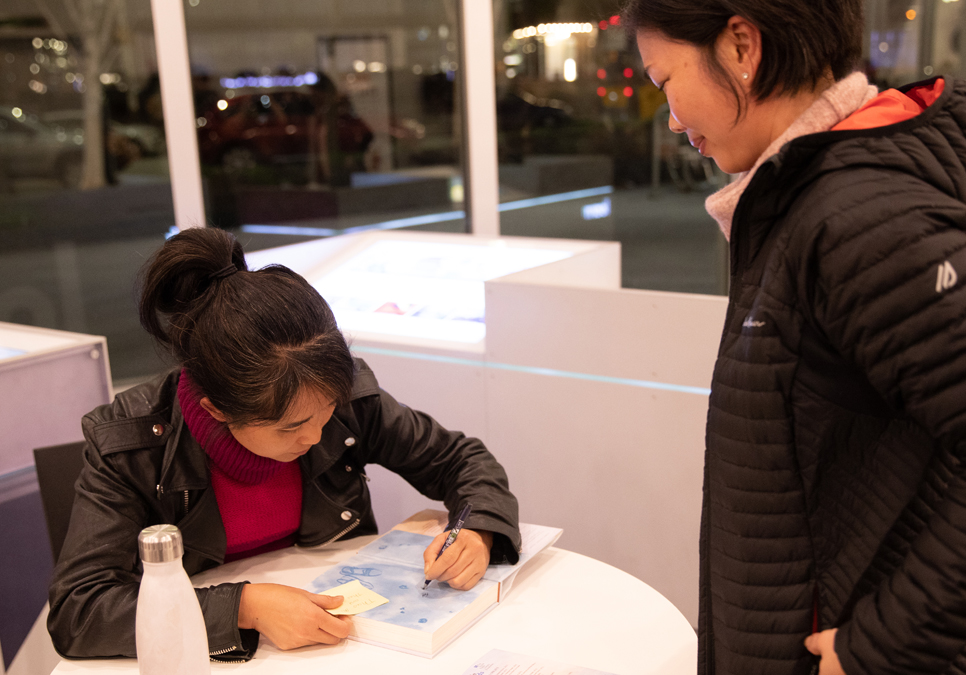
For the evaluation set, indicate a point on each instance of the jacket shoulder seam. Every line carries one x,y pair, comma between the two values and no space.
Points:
130,434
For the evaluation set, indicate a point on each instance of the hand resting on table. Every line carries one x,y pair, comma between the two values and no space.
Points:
291,617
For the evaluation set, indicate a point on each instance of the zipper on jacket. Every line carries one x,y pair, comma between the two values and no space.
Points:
186,502
212,655
342,533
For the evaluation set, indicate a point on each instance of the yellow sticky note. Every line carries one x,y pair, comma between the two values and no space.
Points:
357,598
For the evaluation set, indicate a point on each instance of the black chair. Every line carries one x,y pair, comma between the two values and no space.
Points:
57,469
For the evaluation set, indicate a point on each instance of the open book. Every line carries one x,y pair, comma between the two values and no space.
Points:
414,620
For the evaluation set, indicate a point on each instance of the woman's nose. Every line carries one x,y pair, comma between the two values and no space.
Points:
674,125
311,434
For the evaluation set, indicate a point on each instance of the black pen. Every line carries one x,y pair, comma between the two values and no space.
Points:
464,514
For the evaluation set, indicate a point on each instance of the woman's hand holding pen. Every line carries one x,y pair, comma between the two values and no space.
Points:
463,563
291,617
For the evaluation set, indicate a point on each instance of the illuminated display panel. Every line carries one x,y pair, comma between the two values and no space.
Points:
17,340
423,289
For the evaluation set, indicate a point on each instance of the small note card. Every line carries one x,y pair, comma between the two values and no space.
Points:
357,598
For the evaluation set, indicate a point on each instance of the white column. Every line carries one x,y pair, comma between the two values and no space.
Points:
179,112
480,111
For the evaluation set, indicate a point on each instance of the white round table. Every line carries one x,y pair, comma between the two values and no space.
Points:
623,626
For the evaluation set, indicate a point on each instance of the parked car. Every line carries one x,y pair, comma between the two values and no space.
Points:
272,127
29,148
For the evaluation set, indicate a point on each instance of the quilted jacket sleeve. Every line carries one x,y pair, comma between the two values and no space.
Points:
444,465
93,594
890,293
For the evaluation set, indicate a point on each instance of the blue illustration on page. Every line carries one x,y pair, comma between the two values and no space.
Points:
392,566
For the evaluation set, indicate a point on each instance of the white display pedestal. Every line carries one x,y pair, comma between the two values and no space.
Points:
593,397
49,379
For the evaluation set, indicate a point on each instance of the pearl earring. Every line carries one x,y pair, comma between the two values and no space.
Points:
744,76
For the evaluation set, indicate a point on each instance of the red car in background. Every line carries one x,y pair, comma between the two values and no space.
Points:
274,127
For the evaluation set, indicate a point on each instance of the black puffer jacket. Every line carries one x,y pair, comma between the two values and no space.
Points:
837,429
143,467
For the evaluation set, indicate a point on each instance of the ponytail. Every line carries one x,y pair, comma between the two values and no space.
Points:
251,340
180,280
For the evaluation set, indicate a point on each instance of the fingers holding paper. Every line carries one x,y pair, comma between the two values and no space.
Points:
463,564
332,629
291,617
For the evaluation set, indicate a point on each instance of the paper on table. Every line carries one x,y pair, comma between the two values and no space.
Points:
499,662
357,599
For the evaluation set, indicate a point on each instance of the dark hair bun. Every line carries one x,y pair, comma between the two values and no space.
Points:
177,281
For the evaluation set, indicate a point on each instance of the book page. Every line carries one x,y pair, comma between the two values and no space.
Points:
430,522
392,566
499,662
535,538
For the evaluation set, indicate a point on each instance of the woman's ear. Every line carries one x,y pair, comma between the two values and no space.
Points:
212,410
740,49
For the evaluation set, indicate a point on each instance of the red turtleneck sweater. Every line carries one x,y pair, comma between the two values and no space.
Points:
260,499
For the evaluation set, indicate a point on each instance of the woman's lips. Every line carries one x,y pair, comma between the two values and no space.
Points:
699,143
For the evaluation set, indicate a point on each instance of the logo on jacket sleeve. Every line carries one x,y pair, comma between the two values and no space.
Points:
946,277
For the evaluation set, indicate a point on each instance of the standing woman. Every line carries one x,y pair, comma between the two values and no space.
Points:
258,441
833,534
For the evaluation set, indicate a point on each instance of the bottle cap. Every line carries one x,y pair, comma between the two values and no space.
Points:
160,543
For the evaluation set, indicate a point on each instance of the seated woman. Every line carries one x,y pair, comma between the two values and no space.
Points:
259,440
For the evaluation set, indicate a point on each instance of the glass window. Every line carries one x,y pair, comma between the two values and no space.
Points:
85,194
585,151
914,40
318,118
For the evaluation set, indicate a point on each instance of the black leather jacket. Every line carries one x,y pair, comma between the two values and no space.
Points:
143,467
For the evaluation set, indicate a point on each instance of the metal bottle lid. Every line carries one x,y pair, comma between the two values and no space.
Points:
160,543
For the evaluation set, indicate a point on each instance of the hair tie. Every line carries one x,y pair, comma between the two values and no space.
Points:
223,273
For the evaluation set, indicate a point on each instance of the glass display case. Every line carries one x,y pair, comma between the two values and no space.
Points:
49,379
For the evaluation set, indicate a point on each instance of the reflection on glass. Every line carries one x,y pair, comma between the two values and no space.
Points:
912,41
315,119
578,119
84,188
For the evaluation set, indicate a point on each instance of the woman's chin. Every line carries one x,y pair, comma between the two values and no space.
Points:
729,167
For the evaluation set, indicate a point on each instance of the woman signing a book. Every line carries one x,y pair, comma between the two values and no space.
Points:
257,441
833,533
